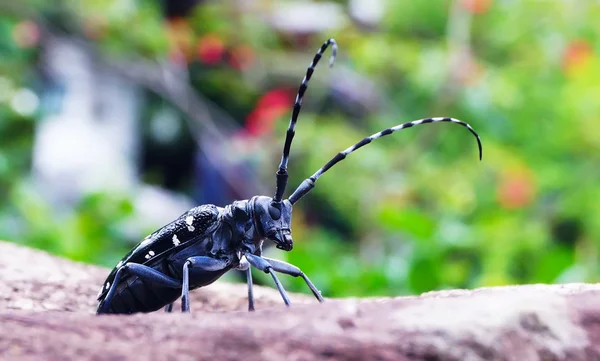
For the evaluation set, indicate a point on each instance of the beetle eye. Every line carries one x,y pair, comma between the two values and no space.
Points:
274,212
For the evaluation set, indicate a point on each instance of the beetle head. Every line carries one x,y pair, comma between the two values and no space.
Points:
274,221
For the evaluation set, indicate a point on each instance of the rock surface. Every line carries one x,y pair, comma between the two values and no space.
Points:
47,306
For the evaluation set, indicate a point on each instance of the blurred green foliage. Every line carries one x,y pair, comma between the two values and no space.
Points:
409,213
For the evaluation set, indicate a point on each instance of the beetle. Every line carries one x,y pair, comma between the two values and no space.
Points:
207,241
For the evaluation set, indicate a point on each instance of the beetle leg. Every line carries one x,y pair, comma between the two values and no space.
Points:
203,263
144,273
266,267
151,275
250,292
169,307
185,288
245,266
106,302
290,269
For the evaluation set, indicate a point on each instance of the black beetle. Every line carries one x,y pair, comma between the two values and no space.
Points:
207,241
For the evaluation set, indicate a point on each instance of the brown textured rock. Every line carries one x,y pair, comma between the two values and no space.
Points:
537,322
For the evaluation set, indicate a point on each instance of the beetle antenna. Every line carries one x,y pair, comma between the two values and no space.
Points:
309,183
282,174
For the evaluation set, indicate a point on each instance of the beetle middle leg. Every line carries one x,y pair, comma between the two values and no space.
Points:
203,263
245,266
290,269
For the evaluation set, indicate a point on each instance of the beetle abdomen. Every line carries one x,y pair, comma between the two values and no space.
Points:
134,295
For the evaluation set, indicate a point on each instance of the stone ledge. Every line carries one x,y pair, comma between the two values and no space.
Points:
533,322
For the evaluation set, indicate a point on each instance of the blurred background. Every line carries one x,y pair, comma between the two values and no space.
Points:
116,116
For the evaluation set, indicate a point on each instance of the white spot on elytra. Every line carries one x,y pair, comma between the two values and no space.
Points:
176,241
189,220
107,285
147,256
151,253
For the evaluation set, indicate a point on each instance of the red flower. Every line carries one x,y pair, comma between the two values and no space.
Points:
270,107
210,49
576,55
516,190
477,6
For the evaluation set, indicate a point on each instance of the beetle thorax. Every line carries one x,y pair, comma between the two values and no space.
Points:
239,216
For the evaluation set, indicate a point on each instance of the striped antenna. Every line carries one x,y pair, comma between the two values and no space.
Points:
309,183
282,174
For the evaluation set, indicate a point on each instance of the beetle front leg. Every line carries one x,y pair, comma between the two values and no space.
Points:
266,267
290,269
204,263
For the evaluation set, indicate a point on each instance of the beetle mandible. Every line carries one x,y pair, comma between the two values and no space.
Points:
207,241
